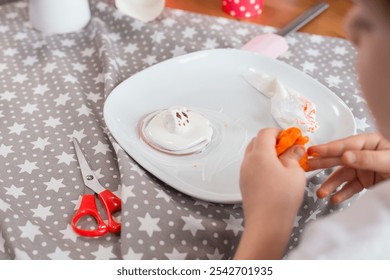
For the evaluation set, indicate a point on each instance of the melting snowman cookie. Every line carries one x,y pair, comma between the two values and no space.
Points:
176,130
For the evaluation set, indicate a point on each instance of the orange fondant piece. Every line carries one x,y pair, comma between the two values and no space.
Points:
290,137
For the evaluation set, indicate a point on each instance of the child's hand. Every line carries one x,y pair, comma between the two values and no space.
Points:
365,161
272,191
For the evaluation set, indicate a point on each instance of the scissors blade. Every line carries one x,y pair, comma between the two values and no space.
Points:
89,177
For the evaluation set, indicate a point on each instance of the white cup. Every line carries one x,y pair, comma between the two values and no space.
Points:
59,16
144,10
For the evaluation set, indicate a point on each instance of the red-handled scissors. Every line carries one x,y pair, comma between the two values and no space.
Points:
110,201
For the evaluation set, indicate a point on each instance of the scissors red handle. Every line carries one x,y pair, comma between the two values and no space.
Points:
88,208
111,204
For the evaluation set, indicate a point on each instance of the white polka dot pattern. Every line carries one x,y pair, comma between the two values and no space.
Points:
53,88
243,8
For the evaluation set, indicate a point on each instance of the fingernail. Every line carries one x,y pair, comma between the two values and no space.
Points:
299,151
350,157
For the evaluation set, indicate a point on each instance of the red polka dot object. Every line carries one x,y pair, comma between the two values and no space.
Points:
243,8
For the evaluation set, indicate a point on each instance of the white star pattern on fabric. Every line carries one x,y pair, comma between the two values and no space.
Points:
361,124
54,184
7,95
94,97
337,63
3,67
78,134
137,168
10,52
127,191
62,99
17,128
29,231
313,216
69,233
79,67
178,50
192,224
104,253
189,32
59,53
70,78
210,44
234,224
242,31
149,224
14,191
131,48
30,60
168,22
296,221
59,254
333,81
309,66
5,150
101,148
150,59
131,255
42,212
88,52
41,89
52,122
29,108
340,50
313,52
311,191
28,167
316,39
21,255
20,36
4,206
84,111
65,158
50,67
176,255
163,195
137,25
158,37
359,99
216,256
19,78
40,143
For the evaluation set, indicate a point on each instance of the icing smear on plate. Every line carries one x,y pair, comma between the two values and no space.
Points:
176,130
288,107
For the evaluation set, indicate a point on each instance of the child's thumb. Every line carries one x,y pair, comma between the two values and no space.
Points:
292,155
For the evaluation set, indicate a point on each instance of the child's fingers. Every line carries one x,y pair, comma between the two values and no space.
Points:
338,147
266,139
292,156
320,163
378,161
346,192
341,175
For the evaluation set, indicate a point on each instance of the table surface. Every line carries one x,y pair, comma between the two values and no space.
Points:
278,13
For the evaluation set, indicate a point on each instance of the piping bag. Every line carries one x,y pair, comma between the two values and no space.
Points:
274,44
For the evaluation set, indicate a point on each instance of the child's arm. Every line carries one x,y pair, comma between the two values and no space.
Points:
365,161
272,191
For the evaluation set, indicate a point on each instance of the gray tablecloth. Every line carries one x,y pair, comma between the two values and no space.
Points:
53,88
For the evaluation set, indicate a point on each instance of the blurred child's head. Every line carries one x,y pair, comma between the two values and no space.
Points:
368,27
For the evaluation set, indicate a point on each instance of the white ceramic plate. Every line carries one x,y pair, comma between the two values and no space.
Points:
210,82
